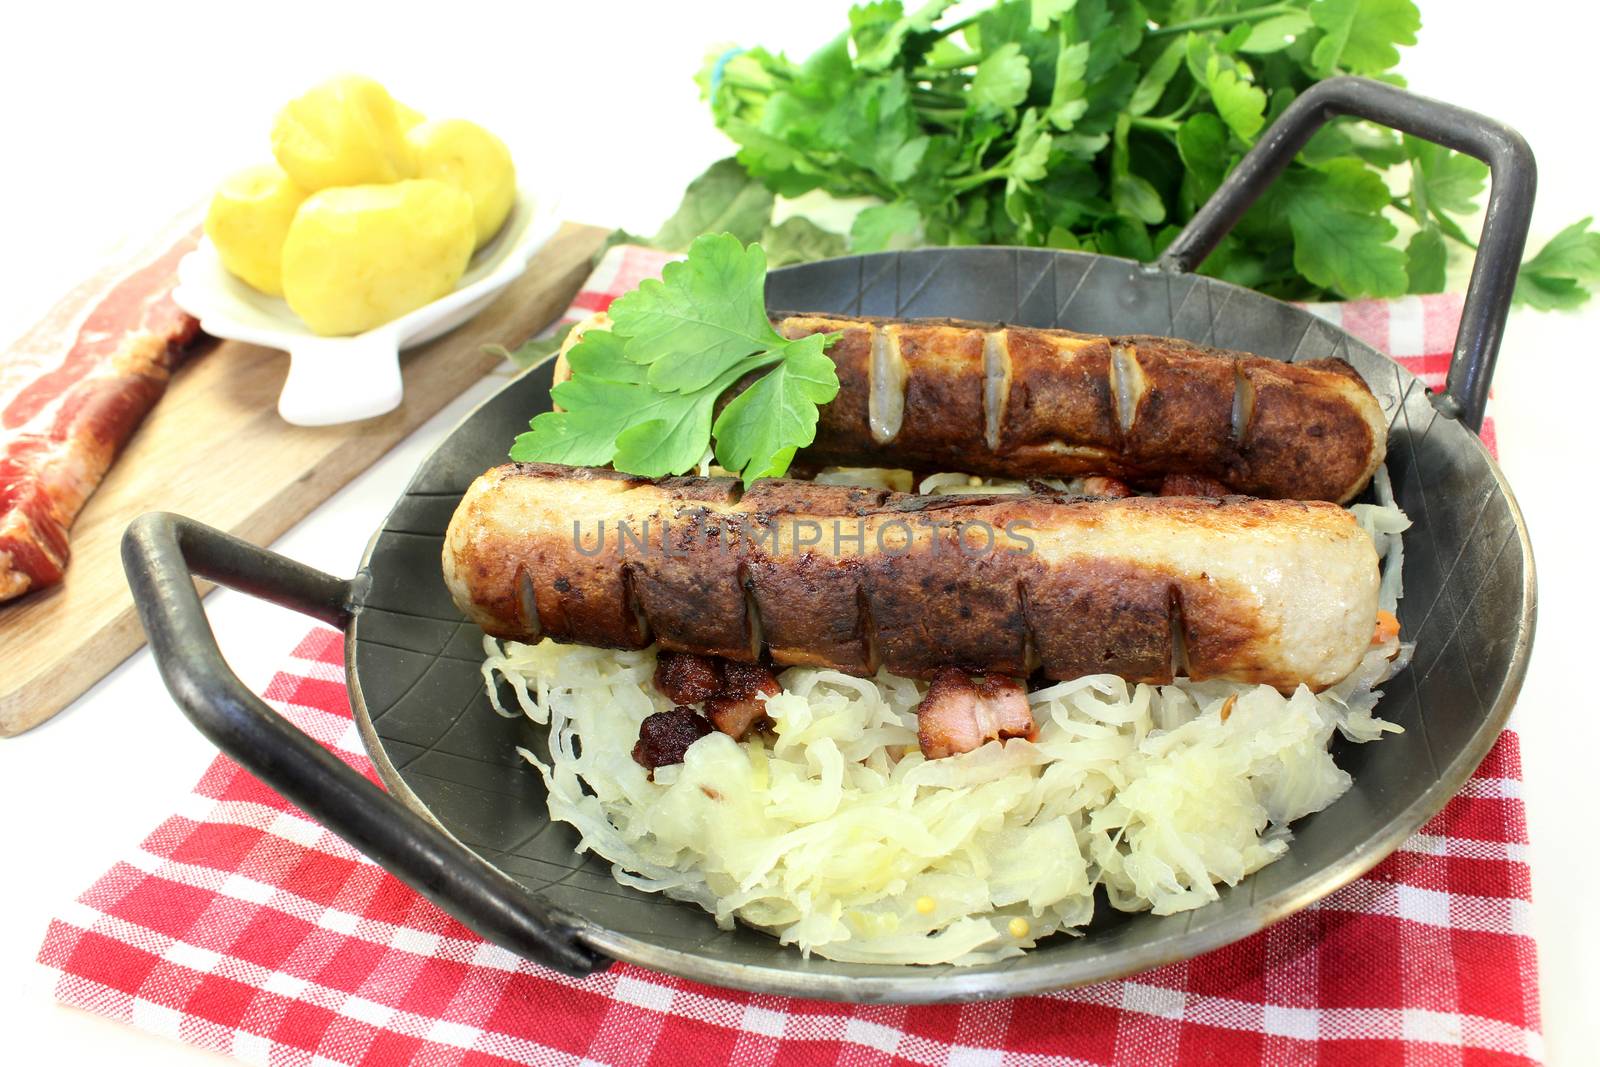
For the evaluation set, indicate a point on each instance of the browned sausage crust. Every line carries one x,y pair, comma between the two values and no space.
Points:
1281,592
1019,402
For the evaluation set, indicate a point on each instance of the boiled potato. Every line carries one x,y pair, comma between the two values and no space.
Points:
408,116
359,256
247,221
345,131
472,159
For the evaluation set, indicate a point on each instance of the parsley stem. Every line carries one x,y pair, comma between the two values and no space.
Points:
1209,22
1177,113
946,65
1416,207
955,27
1144,122
972,181
733,81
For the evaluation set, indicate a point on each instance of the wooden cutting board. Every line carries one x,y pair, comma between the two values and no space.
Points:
215,449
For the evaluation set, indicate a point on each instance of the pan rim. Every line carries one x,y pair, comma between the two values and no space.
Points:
1020,977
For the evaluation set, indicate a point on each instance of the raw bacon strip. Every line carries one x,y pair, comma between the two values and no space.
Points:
72,391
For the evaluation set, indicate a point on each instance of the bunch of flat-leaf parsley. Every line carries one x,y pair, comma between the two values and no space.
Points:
1103,125
643,394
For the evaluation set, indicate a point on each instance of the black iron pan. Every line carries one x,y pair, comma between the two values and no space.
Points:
464,819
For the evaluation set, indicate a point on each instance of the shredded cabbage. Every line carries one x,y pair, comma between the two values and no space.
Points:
1385,522
837,836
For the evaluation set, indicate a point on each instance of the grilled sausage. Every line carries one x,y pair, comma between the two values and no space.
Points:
1018,402
1281,592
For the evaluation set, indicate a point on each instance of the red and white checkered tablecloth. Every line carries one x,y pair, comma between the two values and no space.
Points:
241,926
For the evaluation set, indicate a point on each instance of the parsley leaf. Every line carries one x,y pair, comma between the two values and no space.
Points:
605,395
799,240
1132,196
880,29
1068,99
884,226
1001,80
669,433
562,437
1043,12
760,429
722,200
1426,255
1359,36
1276,33
642,394
701,314
1203,148
1242,106
1154,82
601,357
875,129
1442,180
1556,277
1028,162
533,350
1341,241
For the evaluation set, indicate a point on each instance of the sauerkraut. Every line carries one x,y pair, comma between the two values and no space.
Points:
838,837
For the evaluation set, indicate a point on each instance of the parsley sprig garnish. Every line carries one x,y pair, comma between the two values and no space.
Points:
643,394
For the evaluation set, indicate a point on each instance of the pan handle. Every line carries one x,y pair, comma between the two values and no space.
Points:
161,554
1505,225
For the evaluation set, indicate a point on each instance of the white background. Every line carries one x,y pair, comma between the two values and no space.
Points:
113,118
